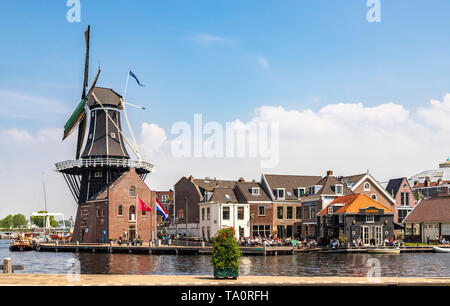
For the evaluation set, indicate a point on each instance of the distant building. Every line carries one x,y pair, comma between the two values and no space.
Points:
403,194
223,210
285,192
432,183
429,220
166,199
366,184
189,192
356,216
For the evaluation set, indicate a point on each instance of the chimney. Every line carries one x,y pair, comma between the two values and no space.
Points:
330,173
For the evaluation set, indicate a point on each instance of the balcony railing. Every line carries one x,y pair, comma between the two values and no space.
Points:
102,162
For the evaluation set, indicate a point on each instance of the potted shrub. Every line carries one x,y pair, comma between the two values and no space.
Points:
225,254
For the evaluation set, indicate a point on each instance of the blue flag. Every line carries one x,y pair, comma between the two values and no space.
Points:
134,76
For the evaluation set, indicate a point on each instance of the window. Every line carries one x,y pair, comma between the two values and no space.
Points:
402,213
120,210
280,212
298,212
208,215
132,191
227,196
289,212
374,196
261,230
313,212
132,213
240,213
203,214
98,174
103,212
405,199
255,191
339,189
311,190
180,214
341,218
113,135
330,210
208,195
226,213
300,192
90,136
370,218
261,211
280,193
164,198
366,187
289,194
98,212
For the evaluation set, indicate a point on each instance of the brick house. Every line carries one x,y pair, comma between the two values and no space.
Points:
286,193
319,195
429,220
188,193
366,184
356,216
403,194
113,212
166,199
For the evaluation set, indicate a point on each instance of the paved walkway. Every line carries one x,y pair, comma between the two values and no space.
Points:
196,280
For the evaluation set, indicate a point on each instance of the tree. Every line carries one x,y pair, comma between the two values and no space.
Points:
19,220
6,222
40,221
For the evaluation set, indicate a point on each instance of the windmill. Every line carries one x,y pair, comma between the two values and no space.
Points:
102,157
79,116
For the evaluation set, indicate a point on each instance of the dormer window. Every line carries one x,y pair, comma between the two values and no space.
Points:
300,192
280,193
366,187
339,189
311,190
255,191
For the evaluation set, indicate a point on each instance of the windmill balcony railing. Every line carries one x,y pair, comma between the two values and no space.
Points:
101,162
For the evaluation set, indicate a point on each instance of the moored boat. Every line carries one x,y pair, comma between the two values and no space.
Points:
22,243
383,250
441,250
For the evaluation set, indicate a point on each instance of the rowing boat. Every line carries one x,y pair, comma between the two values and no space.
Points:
441,250
383,250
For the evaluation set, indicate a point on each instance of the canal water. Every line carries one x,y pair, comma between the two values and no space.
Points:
306,264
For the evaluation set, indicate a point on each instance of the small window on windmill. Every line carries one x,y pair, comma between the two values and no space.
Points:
113,135
90,136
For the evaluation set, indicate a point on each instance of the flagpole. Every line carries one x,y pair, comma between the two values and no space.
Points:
137,212
126,116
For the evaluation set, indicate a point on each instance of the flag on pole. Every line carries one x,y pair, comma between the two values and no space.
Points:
142,206
134,76
161,209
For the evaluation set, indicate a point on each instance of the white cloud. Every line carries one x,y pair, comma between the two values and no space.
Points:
204,38
437,114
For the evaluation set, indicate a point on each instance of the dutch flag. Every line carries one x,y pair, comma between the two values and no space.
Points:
160,209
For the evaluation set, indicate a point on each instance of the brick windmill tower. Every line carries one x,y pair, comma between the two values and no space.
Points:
105,182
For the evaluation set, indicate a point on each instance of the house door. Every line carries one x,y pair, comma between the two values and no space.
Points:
378,235
132,232
365,235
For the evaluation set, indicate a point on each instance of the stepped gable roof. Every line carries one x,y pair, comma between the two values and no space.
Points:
430,210
245,190
353,203
291,182
107,97
394,185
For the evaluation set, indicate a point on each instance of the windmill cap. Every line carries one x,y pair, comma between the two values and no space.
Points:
106,96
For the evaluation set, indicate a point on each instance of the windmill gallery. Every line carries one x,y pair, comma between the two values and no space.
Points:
105,181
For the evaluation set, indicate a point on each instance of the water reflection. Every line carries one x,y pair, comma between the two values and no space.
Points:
314,264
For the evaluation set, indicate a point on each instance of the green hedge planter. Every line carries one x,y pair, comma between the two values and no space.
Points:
226,273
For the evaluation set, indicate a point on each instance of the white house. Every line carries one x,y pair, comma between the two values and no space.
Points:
220,209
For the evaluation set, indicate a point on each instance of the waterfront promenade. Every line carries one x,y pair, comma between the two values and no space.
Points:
198,280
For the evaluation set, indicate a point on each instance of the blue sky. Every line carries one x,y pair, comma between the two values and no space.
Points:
317,52
306,64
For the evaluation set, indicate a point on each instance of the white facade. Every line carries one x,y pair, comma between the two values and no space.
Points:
214,216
